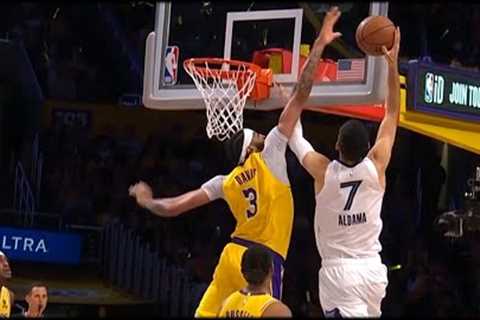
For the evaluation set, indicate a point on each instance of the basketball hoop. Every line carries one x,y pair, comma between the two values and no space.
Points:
225,86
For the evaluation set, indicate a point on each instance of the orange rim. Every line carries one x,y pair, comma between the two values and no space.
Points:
195,64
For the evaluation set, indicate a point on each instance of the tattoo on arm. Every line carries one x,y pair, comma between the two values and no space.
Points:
304,86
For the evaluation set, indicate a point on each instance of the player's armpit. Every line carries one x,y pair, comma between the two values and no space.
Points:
277,310
274,154
290,115
316,164
381,151
275,144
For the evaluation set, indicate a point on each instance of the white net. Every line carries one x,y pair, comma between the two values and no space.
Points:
224,87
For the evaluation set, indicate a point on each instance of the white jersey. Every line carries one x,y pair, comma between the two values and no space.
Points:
347,213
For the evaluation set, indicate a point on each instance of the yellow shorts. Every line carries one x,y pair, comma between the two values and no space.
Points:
228,278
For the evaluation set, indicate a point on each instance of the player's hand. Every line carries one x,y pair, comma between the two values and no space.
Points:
327,35
141,192
392,55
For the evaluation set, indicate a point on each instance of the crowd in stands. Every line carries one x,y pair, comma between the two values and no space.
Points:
76,60
72,58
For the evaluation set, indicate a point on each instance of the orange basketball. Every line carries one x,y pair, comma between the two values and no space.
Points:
373,33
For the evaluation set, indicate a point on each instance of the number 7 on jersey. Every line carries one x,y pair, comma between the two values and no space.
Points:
354,185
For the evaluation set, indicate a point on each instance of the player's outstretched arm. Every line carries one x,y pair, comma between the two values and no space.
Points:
167,207
292,111
277,310
314,162
381,151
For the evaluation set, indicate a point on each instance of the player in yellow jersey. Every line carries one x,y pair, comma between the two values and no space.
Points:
257,190
255,300
6,296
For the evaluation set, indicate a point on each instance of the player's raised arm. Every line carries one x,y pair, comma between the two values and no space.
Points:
301,92
381,151
314,162
174,206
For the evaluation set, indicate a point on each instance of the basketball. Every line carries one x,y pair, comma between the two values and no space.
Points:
373,33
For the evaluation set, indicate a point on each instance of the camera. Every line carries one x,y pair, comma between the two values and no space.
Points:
454,224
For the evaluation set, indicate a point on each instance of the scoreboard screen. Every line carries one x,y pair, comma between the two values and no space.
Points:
443,90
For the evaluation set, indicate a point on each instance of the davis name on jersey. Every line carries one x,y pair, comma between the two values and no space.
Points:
245,176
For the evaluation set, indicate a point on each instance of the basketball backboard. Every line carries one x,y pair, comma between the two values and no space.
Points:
276,34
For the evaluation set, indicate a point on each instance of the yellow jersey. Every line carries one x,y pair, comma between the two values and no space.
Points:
261,204
245,305
5,302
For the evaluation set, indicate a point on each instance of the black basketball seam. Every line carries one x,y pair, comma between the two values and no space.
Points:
368,43
372,33
361,46
361,43
367,21
360,39
362,30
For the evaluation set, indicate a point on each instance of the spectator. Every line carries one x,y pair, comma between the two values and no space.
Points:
37,299
6,296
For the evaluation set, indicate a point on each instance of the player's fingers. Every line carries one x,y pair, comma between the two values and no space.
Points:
335,19
384,50
397,36
330,13
337,35
333,16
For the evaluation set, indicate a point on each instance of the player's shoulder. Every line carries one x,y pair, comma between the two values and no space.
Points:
233,295
227,302
277,133
339,165
277,309
373,167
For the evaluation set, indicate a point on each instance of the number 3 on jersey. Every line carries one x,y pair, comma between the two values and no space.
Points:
251,195
354,188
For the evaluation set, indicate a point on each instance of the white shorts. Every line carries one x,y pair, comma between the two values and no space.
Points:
352,287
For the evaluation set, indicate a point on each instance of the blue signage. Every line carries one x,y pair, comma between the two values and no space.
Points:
444,91
39,245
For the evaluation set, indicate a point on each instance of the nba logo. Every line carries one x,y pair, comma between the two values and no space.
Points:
428,87
171,65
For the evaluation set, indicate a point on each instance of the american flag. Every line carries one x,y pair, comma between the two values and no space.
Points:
350,69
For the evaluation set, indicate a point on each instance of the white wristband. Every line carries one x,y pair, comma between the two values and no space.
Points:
298,130
300,146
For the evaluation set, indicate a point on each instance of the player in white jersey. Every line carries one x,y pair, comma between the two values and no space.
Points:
349,194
